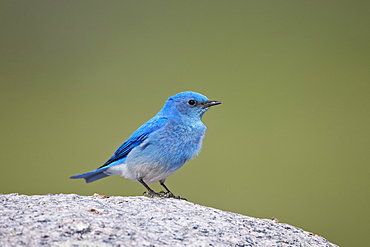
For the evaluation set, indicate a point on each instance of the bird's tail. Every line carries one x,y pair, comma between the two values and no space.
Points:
93,175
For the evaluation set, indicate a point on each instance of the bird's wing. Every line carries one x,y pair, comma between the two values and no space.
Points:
137,138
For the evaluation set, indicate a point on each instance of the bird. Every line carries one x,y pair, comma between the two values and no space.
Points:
160,146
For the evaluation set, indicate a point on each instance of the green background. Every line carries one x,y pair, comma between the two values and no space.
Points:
291,139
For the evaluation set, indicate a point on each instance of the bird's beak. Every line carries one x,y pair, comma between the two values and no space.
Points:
211,103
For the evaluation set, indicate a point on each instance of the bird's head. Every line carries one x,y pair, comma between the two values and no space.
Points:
190,104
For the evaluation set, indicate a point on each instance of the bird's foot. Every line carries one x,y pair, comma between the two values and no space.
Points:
169,194
152,194
162,194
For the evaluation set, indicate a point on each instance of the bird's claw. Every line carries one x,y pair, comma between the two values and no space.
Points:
170,195
162,194
152,194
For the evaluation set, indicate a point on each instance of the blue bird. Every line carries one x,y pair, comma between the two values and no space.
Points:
160,146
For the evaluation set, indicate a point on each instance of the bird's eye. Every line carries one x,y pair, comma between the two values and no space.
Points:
192,102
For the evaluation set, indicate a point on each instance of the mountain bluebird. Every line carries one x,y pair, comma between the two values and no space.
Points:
160,146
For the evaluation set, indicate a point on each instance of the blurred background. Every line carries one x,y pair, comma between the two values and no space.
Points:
291,140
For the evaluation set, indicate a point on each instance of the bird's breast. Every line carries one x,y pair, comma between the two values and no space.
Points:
170,147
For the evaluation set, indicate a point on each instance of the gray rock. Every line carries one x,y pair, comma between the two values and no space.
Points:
73,220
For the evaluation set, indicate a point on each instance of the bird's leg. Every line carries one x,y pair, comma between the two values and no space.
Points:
150,193
169,194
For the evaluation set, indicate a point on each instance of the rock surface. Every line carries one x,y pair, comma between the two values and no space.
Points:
73,220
